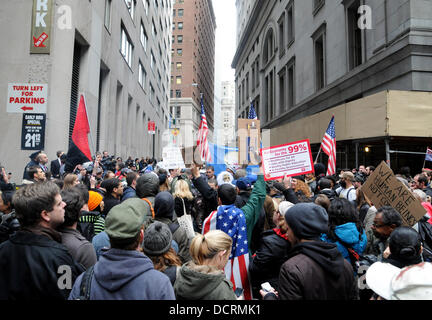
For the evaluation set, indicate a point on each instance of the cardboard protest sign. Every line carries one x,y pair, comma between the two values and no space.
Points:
287,160
384,189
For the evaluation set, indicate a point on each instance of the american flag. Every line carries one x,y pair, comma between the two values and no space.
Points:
328,145
232,221
428,154
202,143
252,113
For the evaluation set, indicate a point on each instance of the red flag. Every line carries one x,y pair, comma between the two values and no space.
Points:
79,150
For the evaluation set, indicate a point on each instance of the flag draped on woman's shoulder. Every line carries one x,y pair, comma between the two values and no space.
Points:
79,150
328,145
232,221
202,142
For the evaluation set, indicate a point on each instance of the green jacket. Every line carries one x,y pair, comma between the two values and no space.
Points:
202,283
252,208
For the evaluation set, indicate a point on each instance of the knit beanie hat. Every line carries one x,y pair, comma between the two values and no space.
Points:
95,199
307,220
157,239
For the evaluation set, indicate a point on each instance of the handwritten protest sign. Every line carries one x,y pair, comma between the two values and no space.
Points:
289,159
172,158
384,189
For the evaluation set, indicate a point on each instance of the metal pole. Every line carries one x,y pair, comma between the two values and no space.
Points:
356,154
387,146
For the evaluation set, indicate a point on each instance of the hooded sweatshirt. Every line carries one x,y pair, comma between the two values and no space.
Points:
126,275
349,234
164,212
316,270
202,283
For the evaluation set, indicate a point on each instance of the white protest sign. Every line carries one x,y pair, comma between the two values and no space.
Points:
27,98
289,159
172,158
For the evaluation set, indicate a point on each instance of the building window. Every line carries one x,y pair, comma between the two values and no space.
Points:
281,24
179,65
268,47
108,13
178,112
142,75
126,47
178,80
178,94
318,4
180,25
257,80
146,5
282,83
152,60
355,43
180,12
269,89
174,12
143,37
179,39
152,92
130,4
290,22
319,38
291,83
180,52
154,32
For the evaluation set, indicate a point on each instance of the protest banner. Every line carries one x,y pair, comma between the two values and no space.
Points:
290,159
172,158
249,139
384,189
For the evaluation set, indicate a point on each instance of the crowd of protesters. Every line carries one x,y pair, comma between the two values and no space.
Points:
114,229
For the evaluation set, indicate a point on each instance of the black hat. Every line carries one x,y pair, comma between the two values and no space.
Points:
157,239
307,220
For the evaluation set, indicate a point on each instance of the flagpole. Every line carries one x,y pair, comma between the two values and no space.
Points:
319,151
88,121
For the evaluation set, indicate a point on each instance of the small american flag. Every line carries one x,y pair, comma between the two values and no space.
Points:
252,113
428,154
328,145
202,143
232,221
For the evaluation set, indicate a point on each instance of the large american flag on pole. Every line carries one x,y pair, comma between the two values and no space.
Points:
202,143
232,221
328,145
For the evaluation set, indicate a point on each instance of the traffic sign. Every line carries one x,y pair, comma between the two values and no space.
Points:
27,98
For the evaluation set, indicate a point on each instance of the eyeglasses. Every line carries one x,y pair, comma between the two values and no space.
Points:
378,225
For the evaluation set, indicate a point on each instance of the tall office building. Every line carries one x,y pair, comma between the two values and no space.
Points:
368,62
115,52
227,130
192,67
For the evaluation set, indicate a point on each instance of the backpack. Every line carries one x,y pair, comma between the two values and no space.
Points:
86,284
358,260
86,224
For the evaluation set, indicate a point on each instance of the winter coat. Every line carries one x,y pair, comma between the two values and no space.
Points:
329,193
349,234
81,250
202,283
109,202
363,212
178,206
126,275
268,259
29,267
180,236
316,271
101,243
209,195
128,193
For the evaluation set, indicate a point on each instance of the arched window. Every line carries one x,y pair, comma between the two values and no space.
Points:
268,49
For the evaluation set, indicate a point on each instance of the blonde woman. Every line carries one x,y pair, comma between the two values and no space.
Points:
70,181
203,278
183,198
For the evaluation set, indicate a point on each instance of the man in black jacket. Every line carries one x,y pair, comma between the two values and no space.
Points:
33,263
56,164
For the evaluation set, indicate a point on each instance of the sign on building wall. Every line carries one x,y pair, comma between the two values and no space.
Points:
33,132
151,127
40,41
27,98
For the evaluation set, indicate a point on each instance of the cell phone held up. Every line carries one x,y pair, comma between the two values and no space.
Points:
266,287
